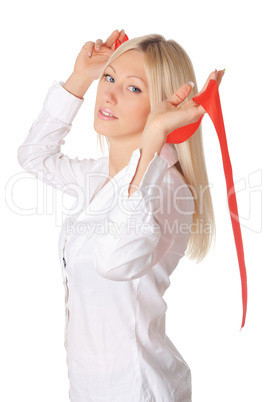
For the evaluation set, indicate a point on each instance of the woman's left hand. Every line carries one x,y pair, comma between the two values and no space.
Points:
167,116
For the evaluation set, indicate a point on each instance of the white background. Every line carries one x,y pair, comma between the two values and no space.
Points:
39,44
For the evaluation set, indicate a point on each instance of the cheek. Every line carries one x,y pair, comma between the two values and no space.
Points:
141,111
99,95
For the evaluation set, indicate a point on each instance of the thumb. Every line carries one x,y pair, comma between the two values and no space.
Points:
181,93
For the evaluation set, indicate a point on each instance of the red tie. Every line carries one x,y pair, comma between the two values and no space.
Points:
210,101
118,43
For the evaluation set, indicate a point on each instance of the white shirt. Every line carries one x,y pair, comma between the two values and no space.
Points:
117,254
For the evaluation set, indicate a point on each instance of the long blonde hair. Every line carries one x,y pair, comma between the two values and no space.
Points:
167,67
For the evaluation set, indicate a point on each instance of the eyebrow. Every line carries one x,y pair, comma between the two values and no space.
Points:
128,76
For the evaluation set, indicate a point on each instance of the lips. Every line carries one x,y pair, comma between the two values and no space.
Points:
107,111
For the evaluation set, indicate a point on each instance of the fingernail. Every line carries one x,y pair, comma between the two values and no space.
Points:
191,83
89,54
123,30
224,70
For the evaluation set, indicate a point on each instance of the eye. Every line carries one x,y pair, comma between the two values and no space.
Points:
107,75
137,90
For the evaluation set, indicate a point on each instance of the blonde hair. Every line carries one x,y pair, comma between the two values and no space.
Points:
167,67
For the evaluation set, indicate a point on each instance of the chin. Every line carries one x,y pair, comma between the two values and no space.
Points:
99,129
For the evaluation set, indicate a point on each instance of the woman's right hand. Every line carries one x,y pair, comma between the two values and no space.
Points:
91,66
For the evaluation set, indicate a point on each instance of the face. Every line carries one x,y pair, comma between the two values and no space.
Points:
124,97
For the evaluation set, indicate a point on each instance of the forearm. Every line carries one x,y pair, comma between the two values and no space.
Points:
77,85
40,153
150,143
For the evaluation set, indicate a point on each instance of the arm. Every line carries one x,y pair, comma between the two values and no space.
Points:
150,143
152,222
77,85
41,151
40,154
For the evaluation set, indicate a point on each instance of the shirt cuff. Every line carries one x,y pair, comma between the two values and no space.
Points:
62,104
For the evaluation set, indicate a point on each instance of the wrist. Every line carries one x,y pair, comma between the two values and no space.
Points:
152,140
77,84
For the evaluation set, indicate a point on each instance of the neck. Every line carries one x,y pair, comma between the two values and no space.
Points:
120,153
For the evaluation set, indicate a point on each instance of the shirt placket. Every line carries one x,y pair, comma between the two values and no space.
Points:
65,282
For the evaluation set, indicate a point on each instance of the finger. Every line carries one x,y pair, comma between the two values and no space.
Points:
220,75
112,38
212,76
181,94
190,112
88,47
122,36
215,75
98,44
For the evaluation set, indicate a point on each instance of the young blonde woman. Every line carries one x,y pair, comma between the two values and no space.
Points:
136,213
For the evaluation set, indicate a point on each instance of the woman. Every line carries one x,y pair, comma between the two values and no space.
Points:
142,206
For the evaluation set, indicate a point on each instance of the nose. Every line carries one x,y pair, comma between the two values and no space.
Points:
110,95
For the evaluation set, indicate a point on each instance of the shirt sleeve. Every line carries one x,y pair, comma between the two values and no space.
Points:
40,154
153,221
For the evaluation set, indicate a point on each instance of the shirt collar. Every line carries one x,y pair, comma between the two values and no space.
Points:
168,153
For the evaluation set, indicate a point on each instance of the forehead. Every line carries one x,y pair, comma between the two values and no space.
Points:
131,62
